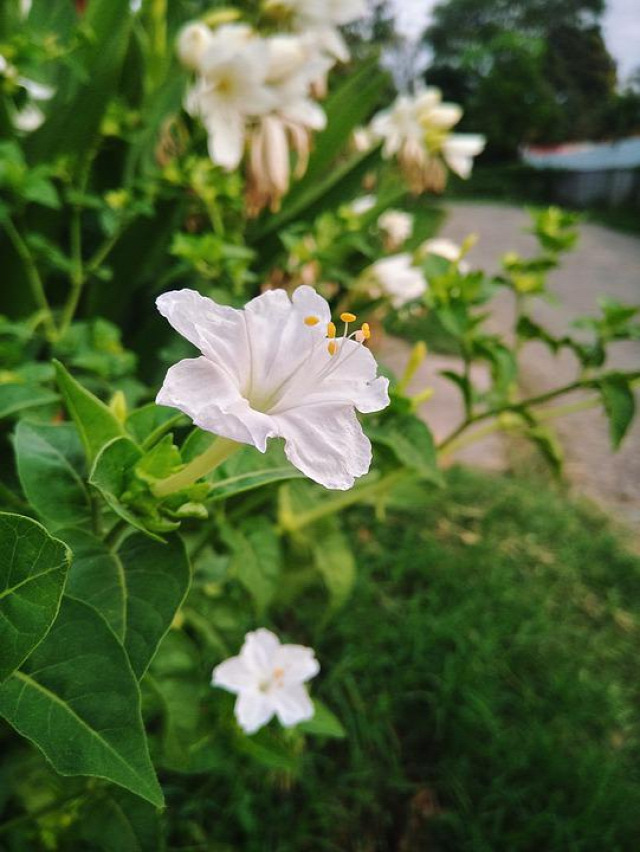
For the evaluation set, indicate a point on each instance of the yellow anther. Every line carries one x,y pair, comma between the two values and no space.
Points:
366,330
347,317
332,347
331,330
311,320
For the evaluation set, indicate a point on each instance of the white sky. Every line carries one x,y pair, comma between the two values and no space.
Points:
621,28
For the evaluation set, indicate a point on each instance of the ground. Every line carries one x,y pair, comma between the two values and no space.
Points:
605,262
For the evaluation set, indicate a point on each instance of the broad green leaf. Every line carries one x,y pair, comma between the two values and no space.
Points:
324,723
116,821
78,701
18,396
256,558
96,423
411,441
148,424
620,405
137,589
334,560
50,462
33,570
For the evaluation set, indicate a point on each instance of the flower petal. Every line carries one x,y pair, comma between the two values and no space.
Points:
326,443
233,675
298,662
226,138
193,384
460,149
292,705
258,652
253,710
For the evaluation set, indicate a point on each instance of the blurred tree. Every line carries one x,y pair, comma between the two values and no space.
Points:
524,70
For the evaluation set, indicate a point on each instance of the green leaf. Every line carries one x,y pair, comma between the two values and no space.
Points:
78,701
19,396
247,470
549,447
324,723
334,560
96,423
50,462
137,589
33,570
116,821
411,441
619,403
256,558
148,424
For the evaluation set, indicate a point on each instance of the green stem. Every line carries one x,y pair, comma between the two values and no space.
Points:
33,277
77,273
218,452
349,498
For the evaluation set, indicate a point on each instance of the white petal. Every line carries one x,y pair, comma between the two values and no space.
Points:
259,651
226,139
217,330
459,150
326,443
233,675
298,662
292,705
307,113
209,396
253,710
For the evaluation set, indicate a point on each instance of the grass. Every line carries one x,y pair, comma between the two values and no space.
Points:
486,672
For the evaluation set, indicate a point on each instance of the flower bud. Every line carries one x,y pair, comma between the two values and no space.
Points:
192,43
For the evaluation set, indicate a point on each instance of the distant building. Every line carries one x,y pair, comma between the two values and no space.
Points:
591,173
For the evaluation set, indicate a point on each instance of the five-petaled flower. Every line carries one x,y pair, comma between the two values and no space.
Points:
277,369
268,679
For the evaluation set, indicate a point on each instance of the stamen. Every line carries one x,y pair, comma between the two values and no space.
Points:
366,331
347,317
331,330
359,336
332,347
311,320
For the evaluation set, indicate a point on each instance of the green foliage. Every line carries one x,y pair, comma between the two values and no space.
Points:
77,699
33,571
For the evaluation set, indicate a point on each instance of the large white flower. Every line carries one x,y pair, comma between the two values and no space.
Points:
398,278
275,369
268,679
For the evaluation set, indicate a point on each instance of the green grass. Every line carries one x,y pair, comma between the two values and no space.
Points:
486,671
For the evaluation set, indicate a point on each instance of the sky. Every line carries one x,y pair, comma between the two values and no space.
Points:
621,26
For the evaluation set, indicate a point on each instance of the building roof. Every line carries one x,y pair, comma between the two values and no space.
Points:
585,156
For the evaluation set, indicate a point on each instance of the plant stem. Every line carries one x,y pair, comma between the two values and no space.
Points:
77,272
33,276
336,504
218,452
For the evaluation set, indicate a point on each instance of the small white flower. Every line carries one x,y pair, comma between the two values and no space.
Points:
28,119
444,248
268,679
397,227
275,369
362,205
417,131
398,278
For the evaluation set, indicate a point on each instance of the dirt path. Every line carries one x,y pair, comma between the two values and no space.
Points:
605,262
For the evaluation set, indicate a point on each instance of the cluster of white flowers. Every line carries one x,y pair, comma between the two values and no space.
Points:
30,116
417,130
396,227
258,92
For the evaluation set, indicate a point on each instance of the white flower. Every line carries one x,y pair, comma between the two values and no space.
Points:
362,205
230,87
397,227
28,119
268,679
417,131
398,278
444,248
272,370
